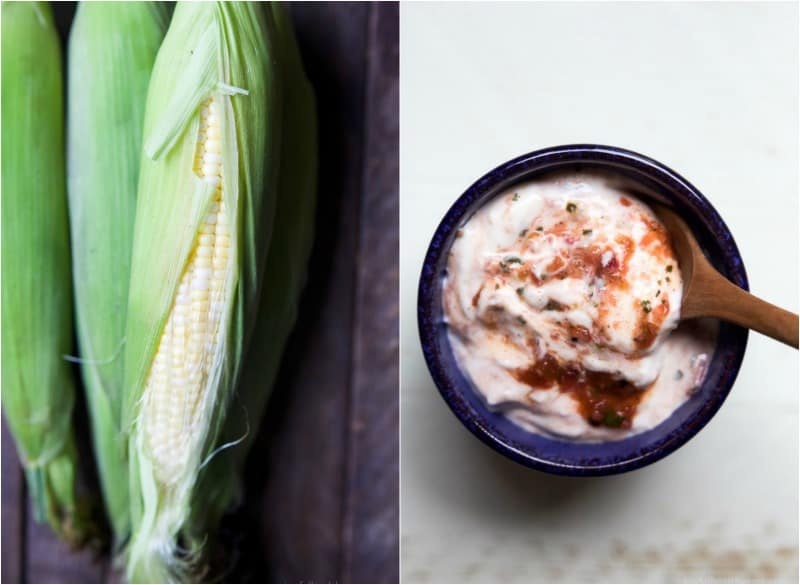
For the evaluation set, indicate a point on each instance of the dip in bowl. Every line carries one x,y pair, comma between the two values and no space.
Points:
548,312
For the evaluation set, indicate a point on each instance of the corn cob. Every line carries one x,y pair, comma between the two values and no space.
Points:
113,45
38,387
284,278
205,208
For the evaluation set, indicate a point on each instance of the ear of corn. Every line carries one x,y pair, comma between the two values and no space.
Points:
38,389
284,278
205,207
112,48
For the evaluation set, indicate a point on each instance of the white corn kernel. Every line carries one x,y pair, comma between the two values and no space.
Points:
185,353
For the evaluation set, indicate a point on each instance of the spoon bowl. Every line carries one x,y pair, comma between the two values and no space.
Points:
706,293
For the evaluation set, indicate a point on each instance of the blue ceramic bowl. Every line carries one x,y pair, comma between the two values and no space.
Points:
553,455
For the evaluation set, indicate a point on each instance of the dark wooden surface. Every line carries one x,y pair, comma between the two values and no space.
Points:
322,480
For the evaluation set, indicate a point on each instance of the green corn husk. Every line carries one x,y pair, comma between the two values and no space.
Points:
112,48
222,51
38,388
284,278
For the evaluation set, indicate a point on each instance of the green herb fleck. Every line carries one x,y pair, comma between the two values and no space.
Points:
668,280
571,207
512,260
521,321
613,419
658,293
515,197
679,374
523,233
587,232
552,306
503,266
659,283
520,290
544,277
646,306
540,228
669,267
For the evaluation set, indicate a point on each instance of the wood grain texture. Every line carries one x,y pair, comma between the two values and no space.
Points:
371,512
321,500
12,566
304,436
49,560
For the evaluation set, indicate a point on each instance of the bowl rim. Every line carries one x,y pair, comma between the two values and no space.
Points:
517,170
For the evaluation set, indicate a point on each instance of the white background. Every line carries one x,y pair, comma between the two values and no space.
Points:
710,90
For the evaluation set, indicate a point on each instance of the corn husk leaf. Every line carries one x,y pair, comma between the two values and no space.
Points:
285,276
221,50
112,48
38,391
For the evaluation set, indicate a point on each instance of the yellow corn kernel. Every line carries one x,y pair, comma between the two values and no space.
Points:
186,349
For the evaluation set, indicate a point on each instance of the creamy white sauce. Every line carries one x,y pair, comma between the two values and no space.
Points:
575,268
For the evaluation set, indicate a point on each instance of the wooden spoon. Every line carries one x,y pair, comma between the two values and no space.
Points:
706,293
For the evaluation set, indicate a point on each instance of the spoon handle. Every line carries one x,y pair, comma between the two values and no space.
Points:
731,303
